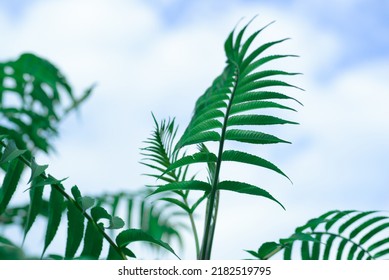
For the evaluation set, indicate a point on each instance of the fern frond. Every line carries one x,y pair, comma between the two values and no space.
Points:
350,235
232,101
159,156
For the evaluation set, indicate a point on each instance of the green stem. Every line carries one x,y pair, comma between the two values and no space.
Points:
190,215
194,229
77,205
211,214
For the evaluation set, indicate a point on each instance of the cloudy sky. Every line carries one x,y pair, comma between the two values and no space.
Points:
160,55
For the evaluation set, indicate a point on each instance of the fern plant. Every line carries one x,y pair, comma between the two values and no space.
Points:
351,235
234,99
238,97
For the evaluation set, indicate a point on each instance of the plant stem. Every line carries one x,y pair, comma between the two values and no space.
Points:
210,224
76,204
194,229
190,215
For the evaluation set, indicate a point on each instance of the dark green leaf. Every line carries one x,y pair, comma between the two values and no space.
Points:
351,221
248,43
205,126
98,213
263,84
256,53
267,249
352,251
261,61
184,185
49,181
341,248
250,159
337,217
378,244
364,225
11,152
299,236
36,193
316,247
252,137
10,182
200,138
373,232
381,253
195,158
133,235
56,201
177,202
263,74
36,170
253,105
246,189
256,120
327,248
75,230
93,241
261,95
305,252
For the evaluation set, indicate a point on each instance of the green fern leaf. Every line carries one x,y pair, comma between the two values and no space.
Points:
252,137
245,188
248,106
262,95
256,120
241,87
195,158
351,235
184,186
243,157
129,236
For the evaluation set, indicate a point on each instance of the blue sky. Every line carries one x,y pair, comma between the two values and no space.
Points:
161,55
